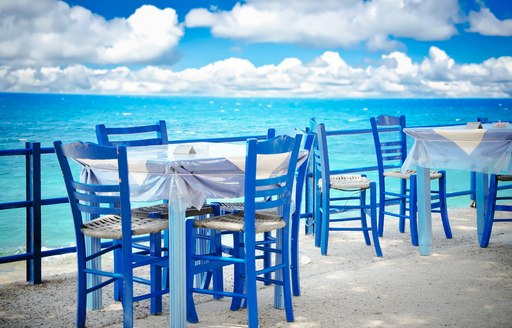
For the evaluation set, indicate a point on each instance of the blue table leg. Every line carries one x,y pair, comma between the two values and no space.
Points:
482,195
278,289
93,245
94,300
424,211
177,266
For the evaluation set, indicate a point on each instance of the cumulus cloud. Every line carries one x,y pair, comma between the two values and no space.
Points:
328,75
484,22
333,23
46,32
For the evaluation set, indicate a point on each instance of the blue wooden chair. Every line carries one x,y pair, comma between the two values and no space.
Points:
145,135
391,151
495,204
109,209
299,182
230,207
332,204
259,215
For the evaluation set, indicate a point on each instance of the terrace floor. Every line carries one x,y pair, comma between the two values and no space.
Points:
460,285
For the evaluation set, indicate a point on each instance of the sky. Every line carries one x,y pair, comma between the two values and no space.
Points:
258,48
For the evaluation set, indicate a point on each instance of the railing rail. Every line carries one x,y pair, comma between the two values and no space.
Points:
33,204
33,201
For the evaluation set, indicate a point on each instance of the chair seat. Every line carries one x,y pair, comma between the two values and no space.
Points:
347,182
265,222
504,177
162,211
231,207
398,174
110,227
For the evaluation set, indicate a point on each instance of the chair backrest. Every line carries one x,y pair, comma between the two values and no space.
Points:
322,168
144,135
278,187
389,140
89,197
302,170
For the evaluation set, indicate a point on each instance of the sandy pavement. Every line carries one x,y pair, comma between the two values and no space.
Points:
460,285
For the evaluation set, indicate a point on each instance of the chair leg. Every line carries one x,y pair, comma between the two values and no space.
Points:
325,225
118,284
81,303
239,271
362,212
190,251
413,210
444,207
156,273
127,284
382,206
250,283
318,219
295,254
373,219
267,259
489,216
218,274
285,273
403,205
165,274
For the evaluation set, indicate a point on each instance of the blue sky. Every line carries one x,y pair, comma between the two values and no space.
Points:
267,48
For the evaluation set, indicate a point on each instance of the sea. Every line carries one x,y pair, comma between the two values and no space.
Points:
45,118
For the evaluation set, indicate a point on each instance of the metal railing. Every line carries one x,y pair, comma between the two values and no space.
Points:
308,199
33,204
33,201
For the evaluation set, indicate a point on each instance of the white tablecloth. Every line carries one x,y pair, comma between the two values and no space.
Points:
484,151
211,170
487,150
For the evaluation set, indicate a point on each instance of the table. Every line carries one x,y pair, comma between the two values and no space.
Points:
487,150
186,175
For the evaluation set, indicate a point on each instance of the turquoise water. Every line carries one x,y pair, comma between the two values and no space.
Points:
45,118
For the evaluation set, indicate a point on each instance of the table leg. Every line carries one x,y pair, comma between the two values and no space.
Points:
177,266
278,289
482,195
94,299
424,211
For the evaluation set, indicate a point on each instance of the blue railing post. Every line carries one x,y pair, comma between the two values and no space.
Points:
33,188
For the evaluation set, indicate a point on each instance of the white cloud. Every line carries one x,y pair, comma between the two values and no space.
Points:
47,32
484,22
437,75
333,23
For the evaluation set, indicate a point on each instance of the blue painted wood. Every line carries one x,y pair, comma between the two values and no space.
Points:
494,204
316,199
424,211
482,195
391,150
295,222
143,135
309,197
309,193
33,240
329,205
117,202
296,217
256,194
